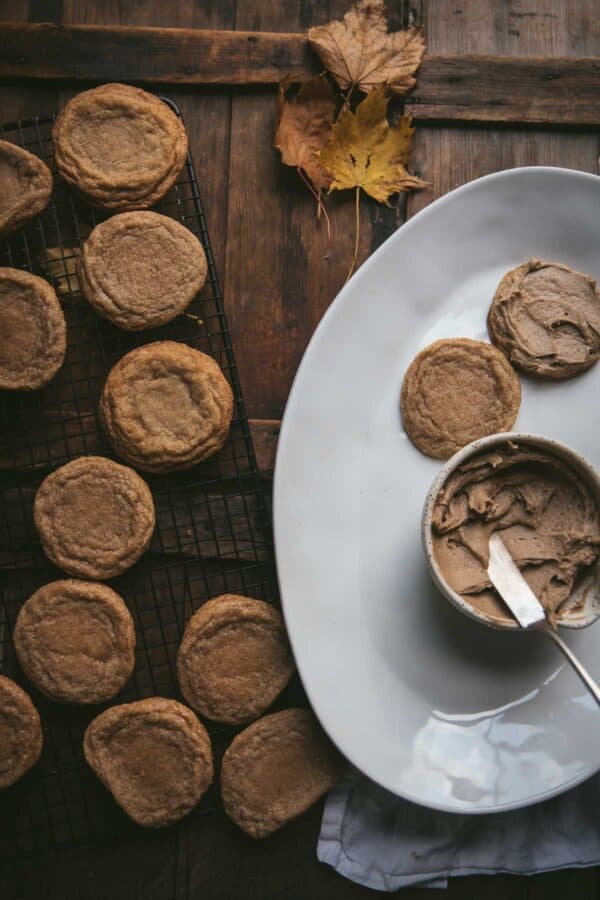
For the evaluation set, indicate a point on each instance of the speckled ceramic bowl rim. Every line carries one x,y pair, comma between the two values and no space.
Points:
562,451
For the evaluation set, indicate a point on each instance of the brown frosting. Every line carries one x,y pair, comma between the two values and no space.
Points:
546,318
546,513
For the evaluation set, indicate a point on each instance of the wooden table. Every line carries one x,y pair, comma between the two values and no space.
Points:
279,278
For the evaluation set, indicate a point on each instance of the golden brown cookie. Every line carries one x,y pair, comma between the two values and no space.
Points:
25,186
234,659
20,733
154,756
33,332
75,641
141,269
95,517
120,146
546,318
275,769
455,391
166,406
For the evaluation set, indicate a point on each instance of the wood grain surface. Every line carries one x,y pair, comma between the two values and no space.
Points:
469,88
279,275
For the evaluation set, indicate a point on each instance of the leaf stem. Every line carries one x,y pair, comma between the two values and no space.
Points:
357,232
347,98
320,203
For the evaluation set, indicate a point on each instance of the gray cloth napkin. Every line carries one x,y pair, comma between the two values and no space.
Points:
383,842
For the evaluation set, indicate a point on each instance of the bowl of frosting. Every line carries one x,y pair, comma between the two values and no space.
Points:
544,499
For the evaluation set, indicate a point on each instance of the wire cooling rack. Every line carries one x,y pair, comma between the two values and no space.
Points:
212,533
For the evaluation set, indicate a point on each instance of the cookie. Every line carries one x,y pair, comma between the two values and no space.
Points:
141,269
33,331
234,659
546,318
154,756
119,146
20,733
166,406
455,391
95,517
25,186
276,769
75,641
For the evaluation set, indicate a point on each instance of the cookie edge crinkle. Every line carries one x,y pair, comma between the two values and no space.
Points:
27,652
131,454
117,199
226,610
30,206
35,738
158,706
57,326
91,571
234,773
438,447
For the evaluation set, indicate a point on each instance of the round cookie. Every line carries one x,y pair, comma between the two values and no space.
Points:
141,269
546,318
276,769
120,146
20,733
154,756
25,186
33,332
455,391
95,517
234,659
75,641
166,406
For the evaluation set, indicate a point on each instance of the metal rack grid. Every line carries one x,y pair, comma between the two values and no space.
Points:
212,535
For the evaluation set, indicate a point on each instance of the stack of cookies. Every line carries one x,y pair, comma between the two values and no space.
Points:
164,407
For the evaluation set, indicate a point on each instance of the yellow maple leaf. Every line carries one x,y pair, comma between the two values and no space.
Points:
366,152
359,51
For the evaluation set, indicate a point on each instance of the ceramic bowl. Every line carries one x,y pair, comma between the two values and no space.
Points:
577,614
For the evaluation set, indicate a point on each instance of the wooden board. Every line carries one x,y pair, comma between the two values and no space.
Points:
450,88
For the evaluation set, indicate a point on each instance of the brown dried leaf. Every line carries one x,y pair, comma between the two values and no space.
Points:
366,152
359,51
304,123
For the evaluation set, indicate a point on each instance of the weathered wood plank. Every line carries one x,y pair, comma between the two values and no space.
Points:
543,91
160,55
281,273
563,91
448,157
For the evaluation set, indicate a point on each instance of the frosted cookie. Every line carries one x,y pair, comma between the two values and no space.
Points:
546,318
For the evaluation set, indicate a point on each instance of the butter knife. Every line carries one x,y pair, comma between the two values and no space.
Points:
525,606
